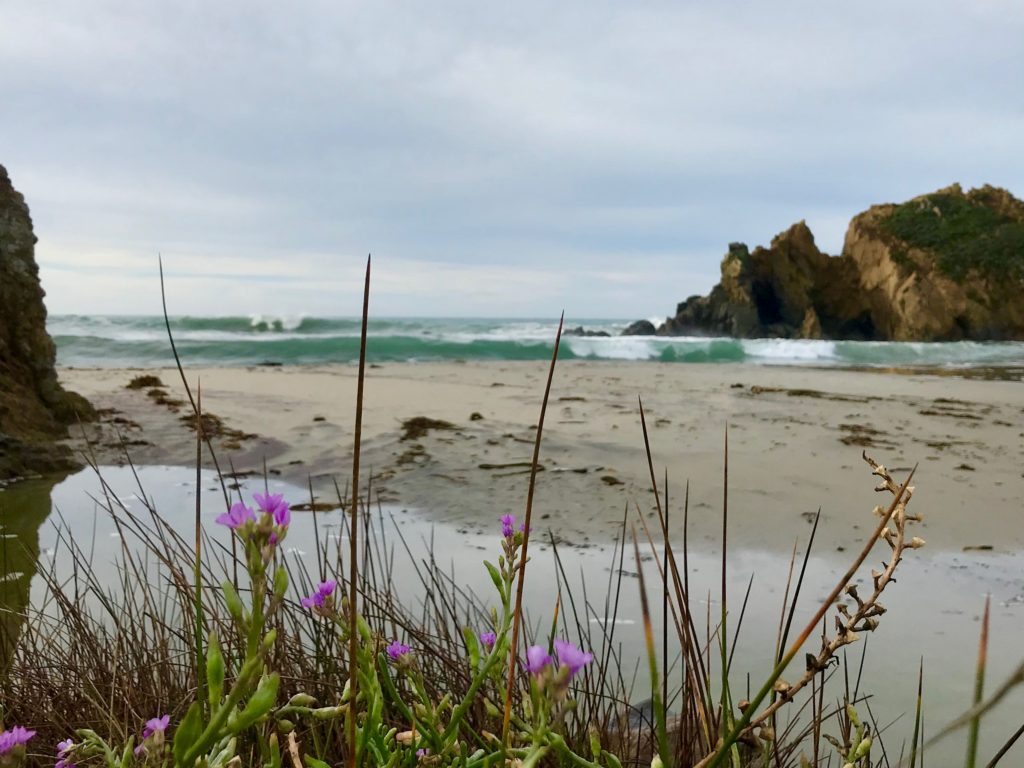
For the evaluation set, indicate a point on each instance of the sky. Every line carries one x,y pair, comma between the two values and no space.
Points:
503,160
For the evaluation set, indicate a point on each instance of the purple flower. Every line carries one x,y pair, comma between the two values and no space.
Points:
488,639
237,517
422,752
63,749
320,594
508,526
397,650
536,659
15,737
155,725
275,506
572,657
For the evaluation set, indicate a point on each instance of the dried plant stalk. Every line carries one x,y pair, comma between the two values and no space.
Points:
861,615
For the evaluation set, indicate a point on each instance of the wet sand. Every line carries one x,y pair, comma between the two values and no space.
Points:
795,442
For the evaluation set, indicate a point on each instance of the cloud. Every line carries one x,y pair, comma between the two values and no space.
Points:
556,150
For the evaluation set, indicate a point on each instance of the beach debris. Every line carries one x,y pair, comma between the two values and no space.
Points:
316,506
419,426
864,436
160,397
815,393
412,455
476,416
952,413
512,465
145,381
611,480
213,426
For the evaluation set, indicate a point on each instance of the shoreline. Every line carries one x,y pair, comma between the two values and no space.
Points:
795,437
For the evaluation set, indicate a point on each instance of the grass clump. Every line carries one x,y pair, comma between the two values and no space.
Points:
965,235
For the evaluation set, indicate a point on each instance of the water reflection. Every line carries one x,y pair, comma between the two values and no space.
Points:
24,508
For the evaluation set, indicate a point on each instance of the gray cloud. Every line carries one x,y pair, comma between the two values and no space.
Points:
496,160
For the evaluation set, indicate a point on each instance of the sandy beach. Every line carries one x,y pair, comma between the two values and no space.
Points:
795,442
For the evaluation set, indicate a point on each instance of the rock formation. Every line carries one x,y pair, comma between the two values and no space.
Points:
640,328
34,410
579,330
942,267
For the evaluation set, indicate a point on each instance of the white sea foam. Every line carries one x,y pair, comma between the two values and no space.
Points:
277,322
614,348
788,350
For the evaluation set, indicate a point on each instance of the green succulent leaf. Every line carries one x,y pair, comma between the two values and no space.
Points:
234,603
473,646
280,582
259,705
188,732
214,671
499,583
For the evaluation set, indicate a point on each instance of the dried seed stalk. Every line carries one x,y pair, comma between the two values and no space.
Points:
862,614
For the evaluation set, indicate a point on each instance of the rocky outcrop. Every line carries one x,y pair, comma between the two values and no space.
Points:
942,267
35,410
579,330
640,328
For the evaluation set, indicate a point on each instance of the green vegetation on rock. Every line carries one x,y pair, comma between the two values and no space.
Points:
963,233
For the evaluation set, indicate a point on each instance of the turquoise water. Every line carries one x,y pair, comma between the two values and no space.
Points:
121,341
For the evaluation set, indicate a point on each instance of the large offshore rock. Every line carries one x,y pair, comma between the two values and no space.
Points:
639,328
35,410
943,266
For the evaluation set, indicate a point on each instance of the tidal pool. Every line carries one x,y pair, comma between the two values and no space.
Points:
933,610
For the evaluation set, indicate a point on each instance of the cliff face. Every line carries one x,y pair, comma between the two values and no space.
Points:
944,266
34,409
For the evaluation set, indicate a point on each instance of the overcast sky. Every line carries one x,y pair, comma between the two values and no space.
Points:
508,159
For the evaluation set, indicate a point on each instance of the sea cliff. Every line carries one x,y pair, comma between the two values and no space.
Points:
946,266
35,410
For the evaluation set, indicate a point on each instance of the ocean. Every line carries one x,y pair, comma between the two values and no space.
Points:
141,341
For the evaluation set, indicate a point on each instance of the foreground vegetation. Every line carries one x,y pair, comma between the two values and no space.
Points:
255,671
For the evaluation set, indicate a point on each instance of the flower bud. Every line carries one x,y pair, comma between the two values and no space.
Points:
301,700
